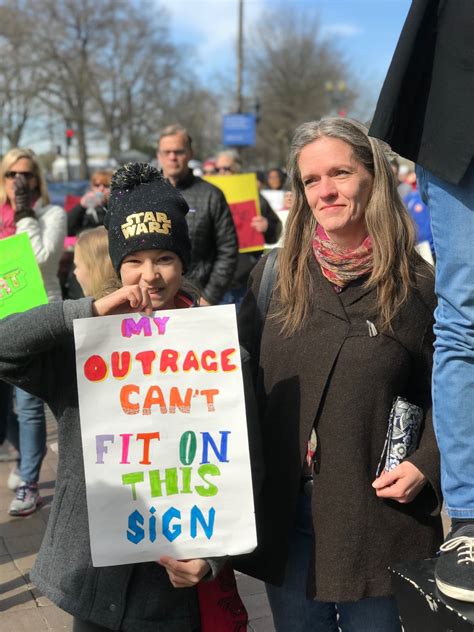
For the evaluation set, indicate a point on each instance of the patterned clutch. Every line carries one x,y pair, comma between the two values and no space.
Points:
403,432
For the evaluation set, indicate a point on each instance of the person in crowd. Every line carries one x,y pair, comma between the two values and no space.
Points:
268,223
24,202
211,229
432,70
420,214
276,179
348,330
93,267
37,351
403,187
209,167
90,211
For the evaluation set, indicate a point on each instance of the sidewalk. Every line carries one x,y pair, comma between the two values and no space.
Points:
22,607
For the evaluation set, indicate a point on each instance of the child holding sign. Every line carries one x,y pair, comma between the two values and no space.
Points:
150,250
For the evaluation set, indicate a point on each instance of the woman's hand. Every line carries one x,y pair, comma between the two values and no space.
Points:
91,198
402,484
184,573
23,194
128,299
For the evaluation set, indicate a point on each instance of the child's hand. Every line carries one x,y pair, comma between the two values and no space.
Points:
130,298
402,484
184,574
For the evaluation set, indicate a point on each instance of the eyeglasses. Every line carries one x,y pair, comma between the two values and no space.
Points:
176,152
11,175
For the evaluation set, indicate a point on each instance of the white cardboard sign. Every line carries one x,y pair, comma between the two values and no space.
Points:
164,435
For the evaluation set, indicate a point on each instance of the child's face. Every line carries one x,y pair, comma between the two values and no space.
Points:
80,271
158,271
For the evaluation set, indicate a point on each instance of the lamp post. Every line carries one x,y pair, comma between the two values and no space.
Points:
240,56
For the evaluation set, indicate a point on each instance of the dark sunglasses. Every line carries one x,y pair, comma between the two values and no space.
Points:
13,174
226,169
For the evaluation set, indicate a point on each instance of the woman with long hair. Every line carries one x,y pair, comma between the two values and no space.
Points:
25,208
348,331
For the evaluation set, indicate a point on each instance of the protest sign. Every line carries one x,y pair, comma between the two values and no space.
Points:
21,283
276,199
241,193
164,435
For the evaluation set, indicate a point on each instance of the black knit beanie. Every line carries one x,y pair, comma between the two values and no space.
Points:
144,212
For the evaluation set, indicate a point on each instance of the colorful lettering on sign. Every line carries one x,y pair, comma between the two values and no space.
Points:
171,524
173,480
97,368
131,327
155,398
11,282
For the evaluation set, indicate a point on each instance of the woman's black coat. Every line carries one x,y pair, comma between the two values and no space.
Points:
333,375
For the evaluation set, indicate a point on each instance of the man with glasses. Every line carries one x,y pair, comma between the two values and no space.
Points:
211,228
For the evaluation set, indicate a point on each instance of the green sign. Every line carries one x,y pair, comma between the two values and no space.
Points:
21,283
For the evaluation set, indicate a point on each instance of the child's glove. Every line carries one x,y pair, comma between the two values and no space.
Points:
23,201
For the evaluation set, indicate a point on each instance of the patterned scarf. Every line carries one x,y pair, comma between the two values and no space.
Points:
341,265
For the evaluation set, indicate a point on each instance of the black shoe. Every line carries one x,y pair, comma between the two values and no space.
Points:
454,570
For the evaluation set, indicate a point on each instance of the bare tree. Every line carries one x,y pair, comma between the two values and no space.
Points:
131,74
291,66
19,80
107,69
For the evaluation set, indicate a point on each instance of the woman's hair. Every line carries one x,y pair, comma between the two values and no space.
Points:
388,224
104,175
7,163
93,248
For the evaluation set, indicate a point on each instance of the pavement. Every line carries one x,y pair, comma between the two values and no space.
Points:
22,607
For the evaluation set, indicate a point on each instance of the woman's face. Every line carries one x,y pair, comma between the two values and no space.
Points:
337,188
100,185
81,272
158,271
24,166
274,180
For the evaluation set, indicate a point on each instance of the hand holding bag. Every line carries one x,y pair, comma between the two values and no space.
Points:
404,426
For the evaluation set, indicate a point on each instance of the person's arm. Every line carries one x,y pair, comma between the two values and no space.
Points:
47,236
227,249
34,345
407,482
74,220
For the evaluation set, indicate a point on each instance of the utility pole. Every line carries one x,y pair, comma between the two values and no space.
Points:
240,56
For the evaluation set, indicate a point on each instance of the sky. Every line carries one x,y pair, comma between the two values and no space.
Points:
365,30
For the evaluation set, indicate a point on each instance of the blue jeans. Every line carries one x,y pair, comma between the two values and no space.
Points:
452,224
293,612
29,435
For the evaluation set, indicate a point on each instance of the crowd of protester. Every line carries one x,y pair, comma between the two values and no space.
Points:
349,328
